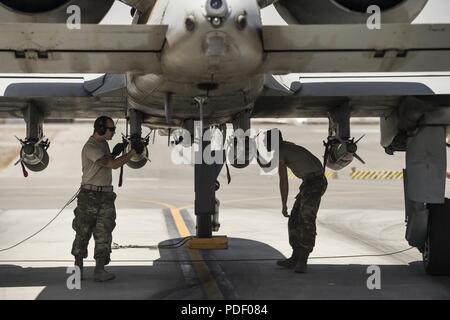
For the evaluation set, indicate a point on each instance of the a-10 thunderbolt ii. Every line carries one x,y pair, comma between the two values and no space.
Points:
213,61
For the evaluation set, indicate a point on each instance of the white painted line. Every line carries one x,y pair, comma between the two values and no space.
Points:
20,293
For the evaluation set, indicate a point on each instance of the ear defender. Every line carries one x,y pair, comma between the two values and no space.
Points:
100,125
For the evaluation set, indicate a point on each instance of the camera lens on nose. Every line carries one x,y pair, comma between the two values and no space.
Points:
216,4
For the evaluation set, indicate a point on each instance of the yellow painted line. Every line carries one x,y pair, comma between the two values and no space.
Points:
207,281
331,175
176,215
179,222
328,175
376,175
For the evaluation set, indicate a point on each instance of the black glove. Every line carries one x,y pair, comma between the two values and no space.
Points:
118,149
137,145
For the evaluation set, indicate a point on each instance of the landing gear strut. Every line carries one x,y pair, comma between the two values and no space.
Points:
427,210
205,183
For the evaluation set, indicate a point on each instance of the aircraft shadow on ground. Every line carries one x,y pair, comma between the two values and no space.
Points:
247,270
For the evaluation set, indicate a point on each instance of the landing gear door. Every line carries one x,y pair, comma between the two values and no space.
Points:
426,165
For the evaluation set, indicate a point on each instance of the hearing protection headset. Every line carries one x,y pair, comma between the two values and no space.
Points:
100,125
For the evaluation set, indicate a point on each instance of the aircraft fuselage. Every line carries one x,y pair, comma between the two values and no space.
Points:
212,48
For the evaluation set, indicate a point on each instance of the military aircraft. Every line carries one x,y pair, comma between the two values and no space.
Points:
213,61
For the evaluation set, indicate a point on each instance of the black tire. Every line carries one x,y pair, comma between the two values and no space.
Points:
436,252
40,166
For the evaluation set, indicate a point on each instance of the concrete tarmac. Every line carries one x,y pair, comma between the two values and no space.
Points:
360,224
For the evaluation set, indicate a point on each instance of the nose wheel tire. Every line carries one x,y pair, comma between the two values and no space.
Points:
436,251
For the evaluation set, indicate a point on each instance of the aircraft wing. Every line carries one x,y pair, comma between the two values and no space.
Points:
53,48
315,100
355,48
66,97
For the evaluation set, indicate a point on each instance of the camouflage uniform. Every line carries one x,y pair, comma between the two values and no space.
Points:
95,214
302,221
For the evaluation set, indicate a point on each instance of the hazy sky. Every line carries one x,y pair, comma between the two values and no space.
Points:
436,11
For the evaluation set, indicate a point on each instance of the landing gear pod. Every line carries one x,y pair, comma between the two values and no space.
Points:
427,209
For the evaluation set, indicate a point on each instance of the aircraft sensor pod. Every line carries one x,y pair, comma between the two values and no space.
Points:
217,8
216,12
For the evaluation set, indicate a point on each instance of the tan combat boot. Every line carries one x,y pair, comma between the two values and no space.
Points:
100,274
289,262
302,262
79,264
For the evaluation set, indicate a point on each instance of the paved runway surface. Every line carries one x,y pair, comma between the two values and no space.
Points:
360,224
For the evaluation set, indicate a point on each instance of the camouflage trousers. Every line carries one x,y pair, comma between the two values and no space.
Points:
95,214
302,222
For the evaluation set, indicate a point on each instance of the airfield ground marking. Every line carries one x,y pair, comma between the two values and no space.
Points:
207,281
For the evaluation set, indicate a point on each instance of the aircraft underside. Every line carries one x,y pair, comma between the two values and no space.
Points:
213,62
